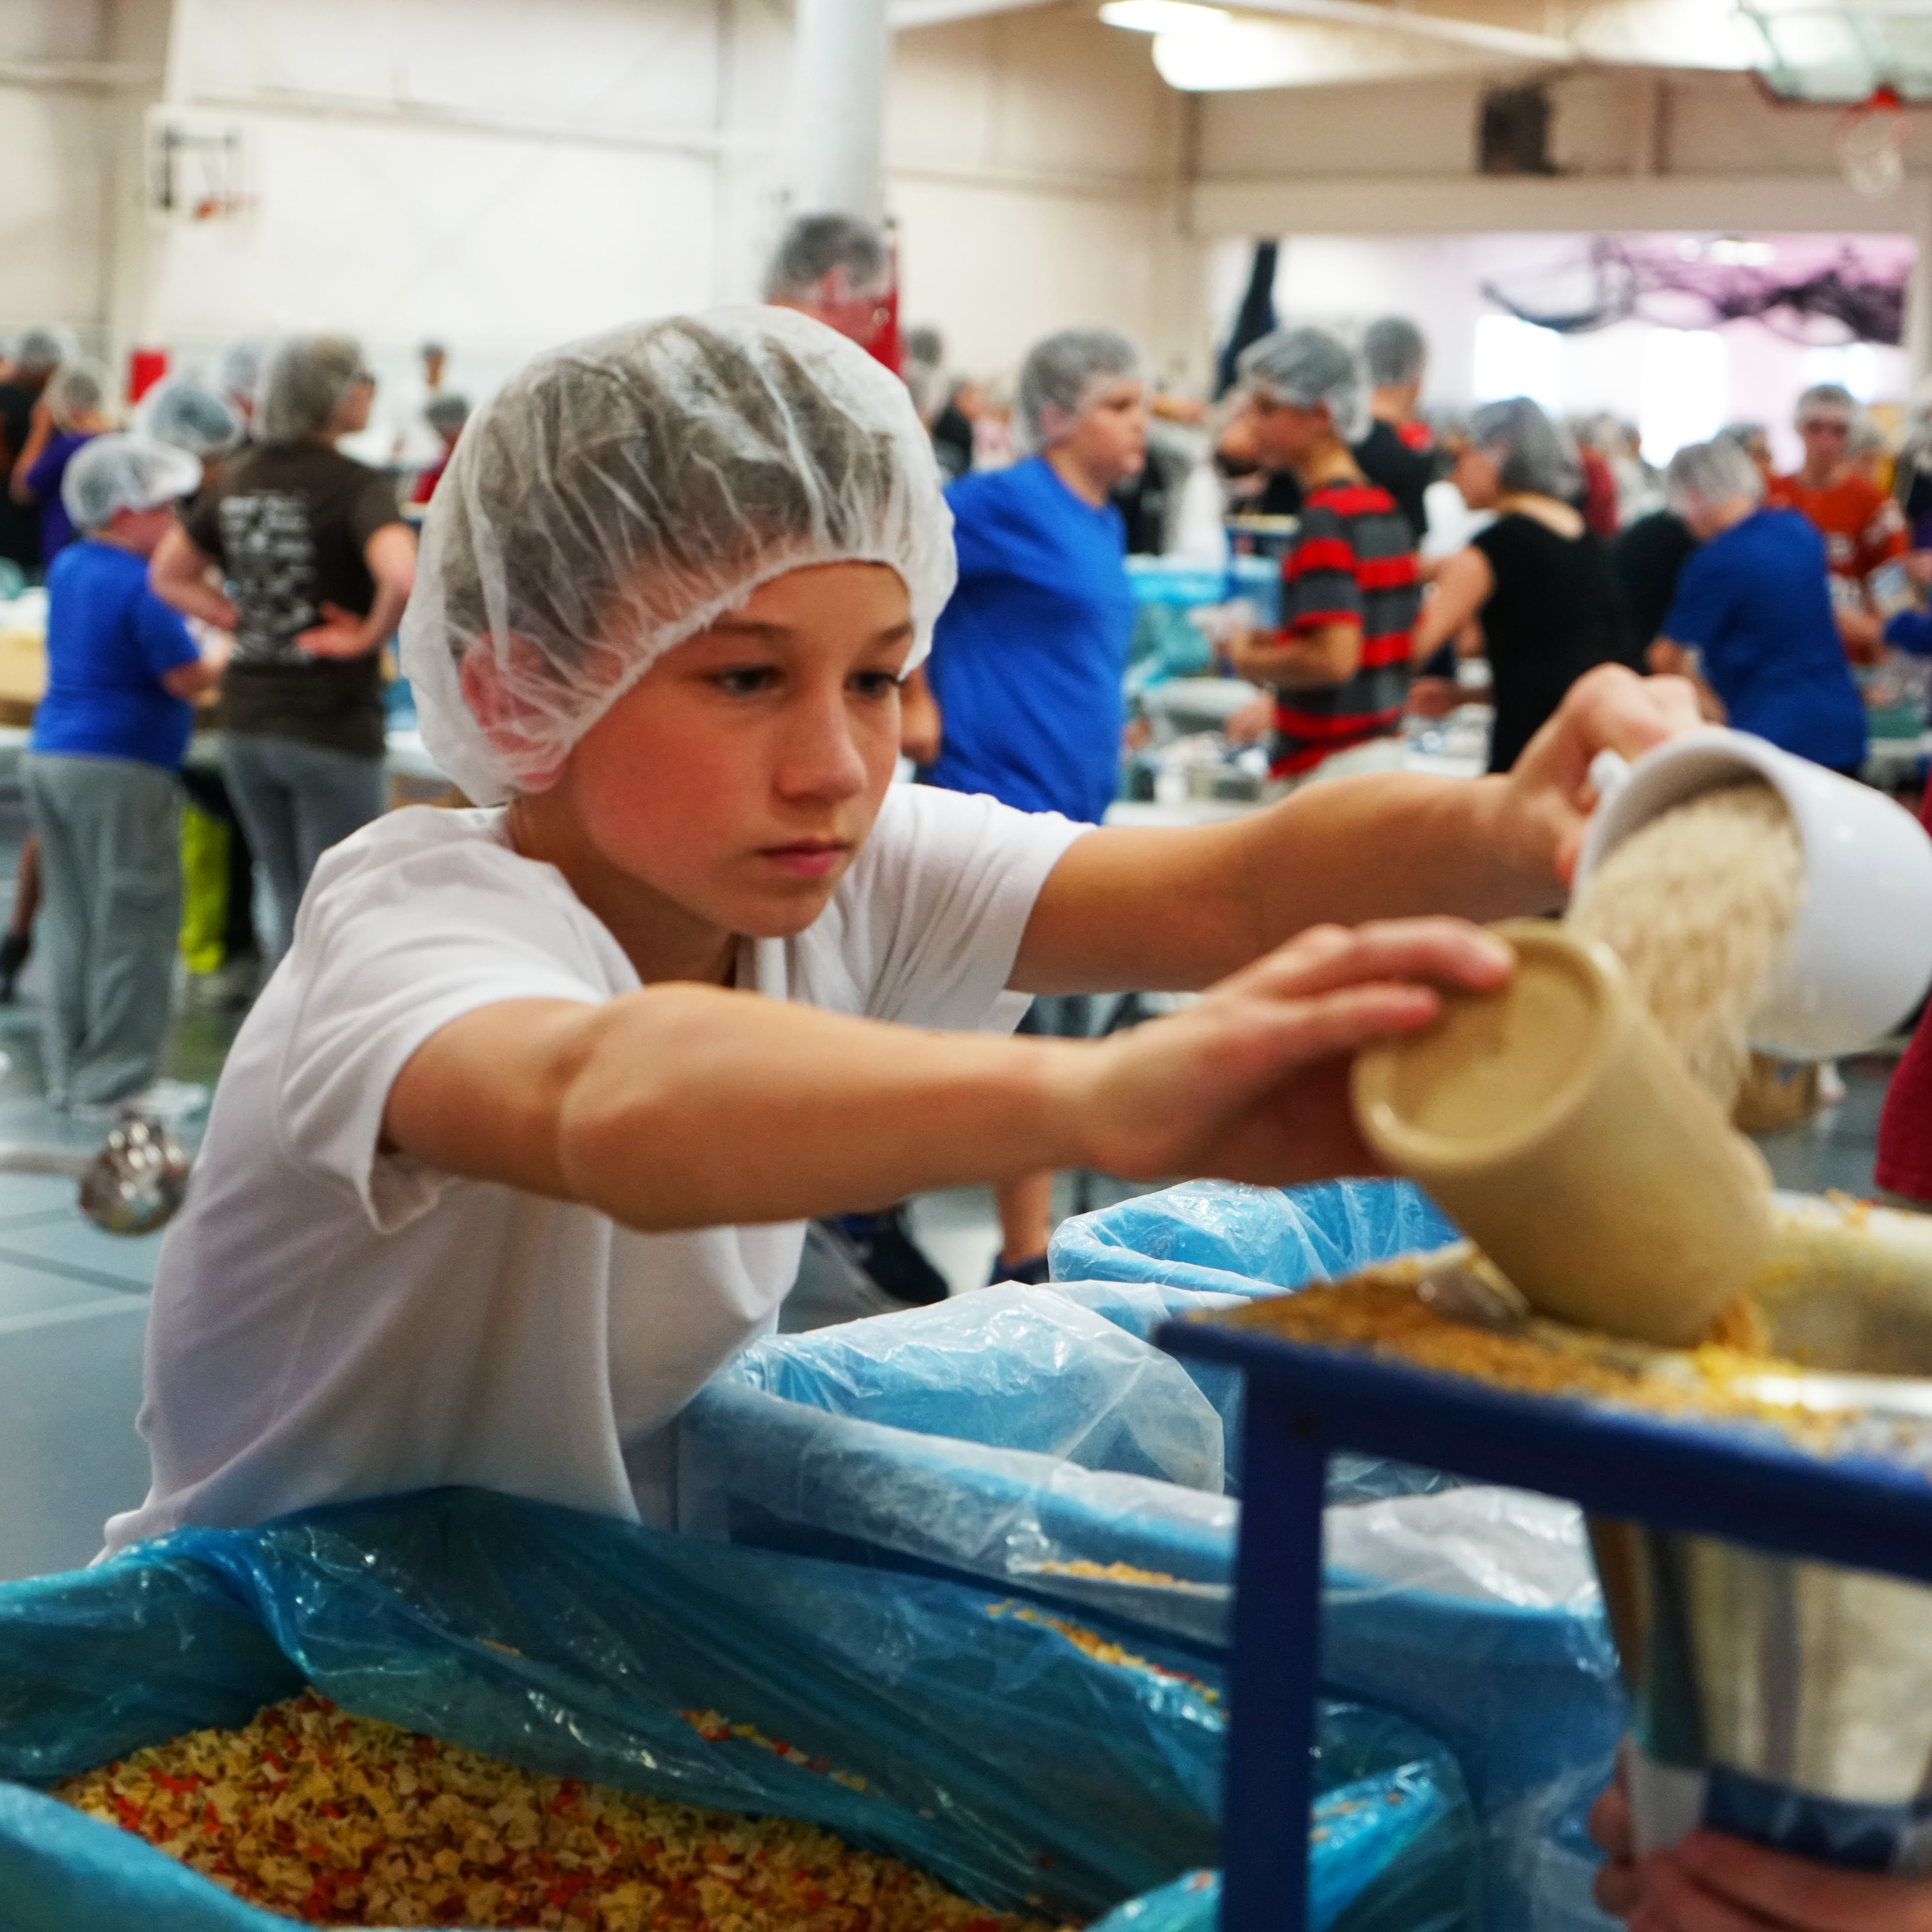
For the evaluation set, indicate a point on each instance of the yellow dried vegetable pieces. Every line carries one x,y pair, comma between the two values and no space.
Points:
339,1820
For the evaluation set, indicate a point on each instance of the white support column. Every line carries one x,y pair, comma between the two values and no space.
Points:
838,107
1918,285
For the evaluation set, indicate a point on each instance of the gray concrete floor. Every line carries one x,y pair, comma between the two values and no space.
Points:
74,1300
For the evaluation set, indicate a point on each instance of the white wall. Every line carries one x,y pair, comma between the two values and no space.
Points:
53,174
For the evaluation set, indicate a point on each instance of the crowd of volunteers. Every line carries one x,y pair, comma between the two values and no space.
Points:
519,1141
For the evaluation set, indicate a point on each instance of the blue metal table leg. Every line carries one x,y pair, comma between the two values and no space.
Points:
1277,1629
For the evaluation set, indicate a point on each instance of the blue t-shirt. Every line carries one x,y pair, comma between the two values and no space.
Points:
1755,600
109,638
1028,658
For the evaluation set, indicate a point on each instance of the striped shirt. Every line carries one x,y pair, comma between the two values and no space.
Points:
1354,561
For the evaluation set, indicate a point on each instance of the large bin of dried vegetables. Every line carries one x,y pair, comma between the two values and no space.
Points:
487,1711
1035,1438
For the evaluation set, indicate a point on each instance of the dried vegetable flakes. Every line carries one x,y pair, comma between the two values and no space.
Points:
1101,1649
340,1820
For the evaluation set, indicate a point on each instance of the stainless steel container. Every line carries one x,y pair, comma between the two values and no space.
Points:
1793,1699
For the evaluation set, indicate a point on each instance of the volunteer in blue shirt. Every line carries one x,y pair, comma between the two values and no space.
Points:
1028,658
99,773
1754,604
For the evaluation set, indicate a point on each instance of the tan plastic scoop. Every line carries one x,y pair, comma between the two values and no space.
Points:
1554,1124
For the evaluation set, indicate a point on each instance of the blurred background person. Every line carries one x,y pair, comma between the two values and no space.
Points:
237,379
1398,452
72,410
1752,617
99,771
1533,593
445,415
190,416
836,268
37,355
1029,654
1339,665
1862,526
1647,559
318,565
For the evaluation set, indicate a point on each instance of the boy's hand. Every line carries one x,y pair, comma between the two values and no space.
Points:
1549,795
1711,1882
1252,1083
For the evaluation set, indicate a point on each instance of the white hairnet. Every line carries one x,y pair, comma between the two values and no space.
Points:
1715,472
1393,349
124,472
75,389
1062,372
620,494
189,416
1532,455
40,349
304,383
1306,366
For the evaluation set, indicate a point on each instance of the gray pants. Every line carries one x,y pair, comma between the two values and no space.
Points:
296,800
110,917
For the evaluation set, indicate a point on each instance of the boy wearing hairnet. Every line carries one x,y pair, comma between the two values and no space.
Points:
514,1151
99,773
72,410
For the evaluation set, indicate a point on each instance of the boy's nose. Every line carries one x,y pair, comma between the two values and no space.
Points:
821,758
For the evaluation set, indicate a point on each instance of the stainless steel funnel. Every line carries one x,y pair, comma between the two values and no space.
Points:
131,1185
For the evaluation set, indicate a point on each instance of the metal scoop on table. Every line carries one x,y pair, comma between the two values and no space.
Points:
133,1184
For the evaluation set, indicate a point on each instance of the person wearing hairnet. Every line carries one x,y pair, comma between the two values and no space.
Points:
191,416
318,563
1752,617
1533,591
1862,526
1339,665
1028,656
72,409
514,1151
100,776
1398,452
36,354
835,269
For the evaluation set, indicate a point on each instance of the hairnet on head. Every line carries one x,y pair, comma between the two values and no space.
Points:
239,376
1061,375
1533,455
125,472
813,245
1715,473
75,389
1744,434
446,411
40,349
303,384
1306,368
1394,350
189,416
621,493
1827,399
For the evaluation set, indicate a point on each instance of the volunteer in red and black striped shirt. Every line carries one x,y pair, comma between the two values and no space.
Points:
1339,663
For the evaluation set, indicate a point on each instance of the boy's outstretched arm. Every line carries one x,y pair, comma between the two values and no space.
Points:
690,1106
1144,910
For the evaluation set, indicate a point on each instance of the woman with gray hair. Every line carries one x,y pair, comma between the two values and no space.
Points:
1533,591
1752,617
318,564
1029,654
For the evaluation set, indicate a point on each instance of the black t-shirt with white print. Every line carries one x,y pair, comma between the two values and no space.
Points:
288,522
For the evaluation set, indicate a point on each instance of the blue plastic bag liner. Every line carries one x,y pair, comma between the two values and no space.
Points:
1024,1367
1214,1237
993,1744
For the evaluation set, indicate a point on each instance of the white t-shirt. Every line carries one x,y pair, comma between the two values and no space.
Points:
332,1321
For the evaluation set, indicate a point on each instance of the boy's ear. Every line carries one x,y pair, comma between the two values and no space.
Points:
508,721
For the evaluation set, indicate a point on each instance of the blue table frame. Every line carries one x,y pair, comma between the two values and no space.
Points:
1303,1404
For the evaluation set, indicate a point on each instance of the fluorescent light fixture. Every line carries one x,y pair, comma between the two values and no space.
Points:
1735,251
1163,17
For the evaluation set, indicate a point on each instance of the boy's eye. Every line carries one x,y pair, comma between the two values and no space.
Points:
875,683
745,681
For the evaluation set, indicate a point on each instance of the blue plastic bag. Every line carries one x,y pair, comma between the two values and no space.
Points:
1212,1236
998,1749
